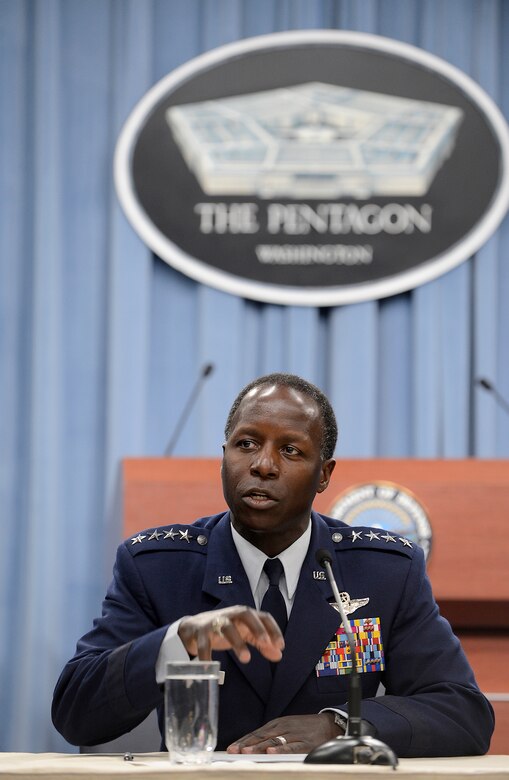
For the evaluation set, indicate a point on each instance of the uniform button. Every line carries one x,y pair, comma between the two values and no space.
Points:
337,537
202,539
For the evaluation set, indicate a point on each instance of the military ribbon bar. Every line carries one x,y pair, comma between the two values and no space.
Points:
368,644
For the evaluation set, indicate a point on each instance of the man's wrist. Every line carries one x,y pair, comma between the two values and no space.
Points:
341,722
172,649
338,722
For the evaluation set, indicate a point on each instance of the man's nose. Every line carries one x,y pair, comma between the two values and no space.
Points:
265,463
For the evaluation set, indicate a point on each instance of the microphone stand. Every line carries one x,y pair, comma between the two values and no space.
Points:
490,387
206,370
351,747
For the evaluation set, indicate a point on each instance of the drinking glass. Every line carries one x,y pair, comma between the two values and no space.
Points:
191,710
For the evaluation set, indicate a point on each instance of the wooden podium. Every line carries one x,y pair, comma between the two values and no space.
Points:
467,503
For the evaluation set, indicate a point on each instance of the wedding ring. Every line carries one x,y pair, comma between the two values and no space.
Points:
218,624
282,740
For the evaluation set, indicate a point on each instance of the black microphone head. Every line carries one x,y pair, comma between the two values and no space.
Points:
322,555
207,369
484,383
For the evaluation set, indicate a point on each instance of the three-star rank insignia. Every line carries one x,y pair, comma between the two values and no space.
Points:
364,535
178,536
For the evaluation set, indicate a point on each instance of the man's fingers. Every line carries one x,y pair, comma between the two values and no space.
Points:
290,747
235,641
269,744
235,628
261,630
272,629
257,743
244,626
203,646
288,734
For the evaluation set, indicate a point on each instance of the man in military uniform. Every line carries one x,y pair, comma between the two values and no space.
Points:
199,590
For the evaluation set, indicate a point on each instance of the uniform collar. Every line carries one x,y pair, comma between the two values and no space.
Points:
292,559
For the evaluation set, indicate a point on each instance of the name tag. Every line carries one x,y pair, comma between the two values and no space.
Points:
368,645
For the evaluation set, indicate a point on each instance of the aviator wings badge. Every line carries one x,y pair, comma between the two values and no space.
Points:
348,604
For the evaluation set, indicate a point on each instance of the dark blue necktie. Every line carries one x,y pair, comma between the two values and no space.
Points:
273,600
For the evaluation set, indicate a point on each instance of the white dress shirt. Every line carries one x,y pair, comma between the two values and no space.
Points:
172,648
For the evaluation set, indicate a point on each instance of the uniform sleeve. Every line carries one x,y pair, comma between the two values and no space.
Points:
172,649
109,686
432,705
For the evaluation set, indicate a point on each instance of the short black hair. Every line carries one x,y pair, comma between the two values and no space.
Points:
329,424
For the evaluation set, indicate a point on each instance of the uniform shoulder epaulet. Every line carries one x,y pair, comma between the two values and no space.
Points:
350,537
169,537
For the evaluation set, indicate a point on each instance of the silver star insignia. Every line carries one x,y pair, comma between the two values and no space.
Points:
350,605
185,535
372,535
405,542
155,535
171,534
138,539
389,538
356,535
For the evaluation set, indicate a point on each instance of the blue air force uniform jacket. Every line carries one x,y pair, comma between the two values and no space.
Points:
432,704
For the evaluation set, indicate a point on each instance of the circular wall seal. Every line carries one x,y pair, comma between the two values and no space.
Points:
314,167
387,506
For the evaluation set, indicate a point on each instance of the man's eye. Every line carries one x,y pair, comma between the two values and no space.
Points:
245,444
289,450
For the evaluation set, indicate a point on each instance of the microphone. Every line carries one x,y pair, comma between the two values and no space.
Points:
490,387
206,371
351,747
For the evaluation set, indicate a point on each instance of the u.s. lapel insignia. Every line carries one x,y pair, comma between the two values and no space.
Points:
350,605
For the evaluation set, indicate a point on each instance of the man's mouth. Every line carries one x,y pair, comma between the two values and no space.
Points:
258,498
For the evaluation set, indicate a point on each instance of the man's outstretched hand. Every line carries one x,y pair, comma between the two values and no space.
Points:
232,628
291,734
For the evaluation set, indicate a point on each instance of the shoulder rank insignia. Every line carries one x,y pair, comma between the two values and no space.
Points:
176,537
348,604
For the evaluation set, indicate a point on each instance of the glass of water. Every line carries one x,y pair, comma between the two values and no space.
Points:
191,710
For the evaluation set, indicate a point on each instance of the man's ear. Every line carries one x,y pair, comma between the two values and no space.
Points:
326,473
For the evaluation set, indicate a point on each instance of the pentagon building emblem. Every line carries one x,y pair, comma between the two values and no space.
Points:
388,506
315,141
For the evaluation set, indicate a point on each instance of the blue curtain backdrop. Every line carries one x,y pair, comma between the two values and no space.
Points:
100,342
